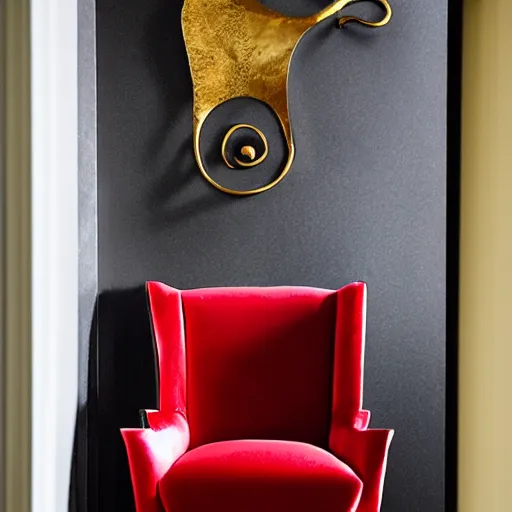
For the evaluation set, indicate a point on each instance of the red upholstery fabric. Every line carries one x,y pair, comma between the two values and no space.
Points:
260,476
275,373
151,452
259,353
366,452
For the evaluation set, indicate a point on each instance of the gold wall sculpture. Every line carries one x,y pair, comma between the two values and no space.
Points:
240,48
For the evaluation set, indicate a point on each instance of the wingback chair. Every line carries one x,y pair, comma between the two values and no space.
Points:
260,404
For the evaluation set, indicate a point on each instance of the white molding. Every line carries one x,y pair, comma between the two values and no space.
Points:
55,250
39,232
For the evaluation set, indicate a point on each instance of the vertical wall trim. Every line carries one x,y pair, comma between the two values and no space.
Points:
485,444
455,27
3,295
84,471
17,254
55,250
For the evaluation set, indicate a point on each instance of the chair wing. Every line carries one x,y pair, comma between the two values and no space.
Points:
166,311
364,450
151,452
349,342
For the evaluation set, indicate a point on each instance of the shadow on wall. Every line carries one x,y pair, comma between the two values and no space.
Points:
168,64
122,366
175,170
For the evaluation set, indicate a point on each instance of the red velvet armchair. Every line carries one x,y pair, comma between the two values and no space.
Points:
260,404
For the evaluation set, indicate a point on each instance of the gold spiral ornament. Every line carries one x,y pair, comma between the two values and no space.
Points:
228,44
247,151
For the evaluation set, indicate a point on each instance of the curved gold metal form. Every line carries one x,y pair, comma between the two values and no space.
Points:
248,151
371,24
240,48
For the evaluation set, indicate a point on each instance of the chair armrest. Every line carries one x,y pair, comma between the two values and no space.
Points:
151,452
366,452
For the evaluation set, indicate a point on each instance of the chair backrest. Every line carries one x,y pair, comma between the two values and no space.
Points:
252,363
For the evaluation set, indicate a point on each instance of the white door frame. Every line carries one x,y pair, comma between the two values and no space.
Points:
40,267
54,95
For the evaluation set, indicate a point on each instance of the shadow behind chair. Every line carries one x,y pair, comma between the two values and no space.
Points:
260,404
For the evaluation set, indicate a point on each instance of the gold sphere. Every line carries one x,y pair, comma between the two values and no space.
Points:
249,152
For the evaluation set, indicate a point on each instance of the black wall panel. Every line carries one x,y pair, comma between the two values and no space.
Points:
366,199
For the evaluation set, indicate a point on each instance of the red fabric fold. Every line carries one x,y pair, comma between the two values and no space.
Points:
151,452
366,452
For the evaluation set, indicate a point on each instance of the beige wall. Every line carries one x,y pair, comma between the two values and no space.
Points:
15,284
485,459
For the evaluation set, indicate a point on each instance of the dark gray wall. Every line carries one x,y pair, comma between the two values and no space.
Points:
366,199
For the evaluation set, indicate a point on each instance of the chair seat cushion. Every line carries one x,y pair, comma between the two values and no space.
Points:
259,476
